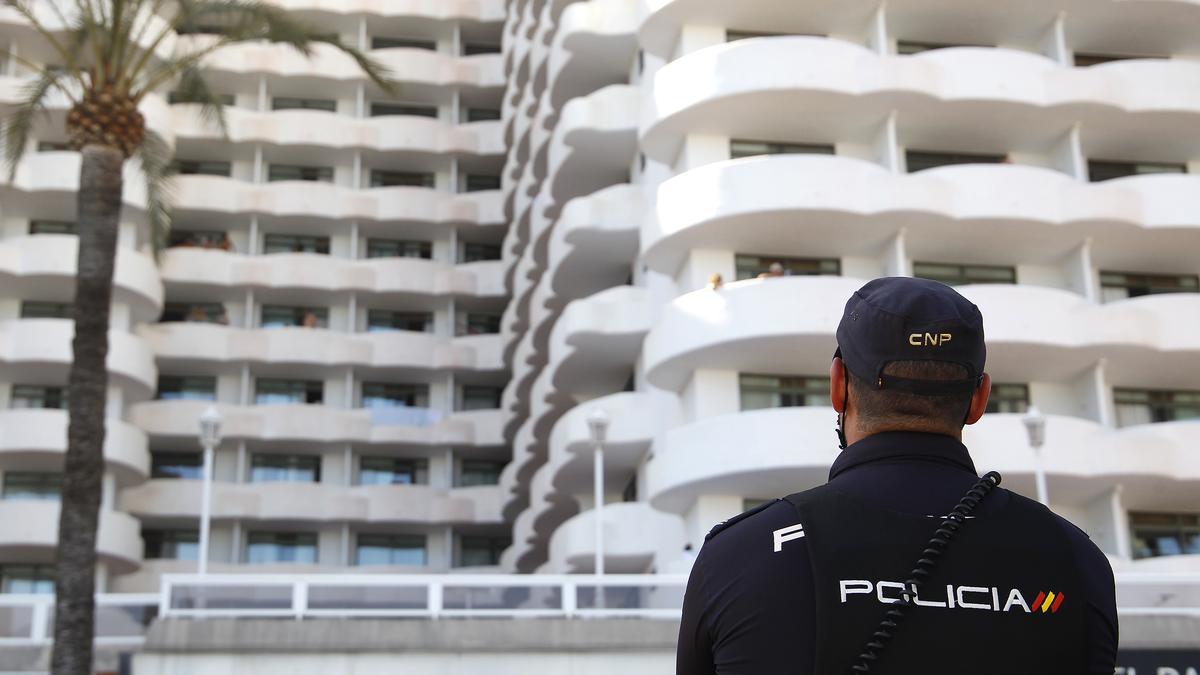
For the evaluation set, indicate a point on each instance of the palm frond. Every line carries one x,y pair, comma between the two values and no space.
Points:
193,88
26,11
154,156
19,123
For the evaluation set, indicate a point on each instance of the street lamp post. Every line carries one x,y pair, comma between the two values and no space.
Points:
1035,425
210,437
598,426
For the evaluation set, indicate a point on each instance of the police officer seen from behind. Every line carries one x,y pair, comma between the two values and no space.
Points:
805,585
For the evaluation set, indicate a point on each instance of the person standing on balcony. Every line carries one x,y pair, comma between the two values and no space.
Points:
840,578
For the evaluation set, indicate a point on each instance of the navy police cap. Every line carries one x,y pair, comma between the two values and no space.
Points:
907,319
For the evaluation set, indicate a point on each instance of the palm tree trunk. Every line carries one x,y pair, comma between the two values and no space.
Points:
99,206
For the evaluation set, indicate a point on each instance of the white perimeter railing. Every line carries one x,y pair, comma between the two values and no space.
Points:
123,618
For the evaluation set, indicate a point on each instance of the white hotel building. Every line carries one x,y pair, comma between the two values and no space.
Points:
406,307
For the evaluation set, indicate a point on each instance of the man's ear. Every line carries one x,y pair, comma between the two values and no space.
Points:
837,385
979,399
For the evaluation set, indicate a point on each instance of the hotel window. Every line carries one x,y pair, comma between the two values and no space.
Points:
387,395
477,323
776,391
481,114
32,486
276,391
27,579
1008,398
476,397
472,472
910,47
52,227
742,148
286,103
1146,406
392,471
1162,534
401,179
403,43
1102,170
1085,60
177,465
957,275
477,48
187,388
194,312
390,549
472,252
293,243
920,160
282,316
190,28
1123,285
53,146
476,551
752,266
380,320
271,468
735,35
478,183
398,248
31,309
199,238
266,548
195,167
292,172
35,396
171,544
179,97
405,109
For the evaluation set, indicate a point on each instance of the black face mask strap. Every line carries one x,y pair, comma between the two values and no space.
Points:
841,418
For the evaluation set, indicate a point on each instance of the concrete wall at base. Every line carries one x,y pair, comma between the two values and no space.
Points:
414,663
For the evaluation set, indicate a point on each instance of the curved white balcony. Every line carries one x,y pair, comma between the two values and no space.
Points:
594,45
1161,26
741,454
50,177
594,142
219,194
1170,564
801,203
317,424
399,134
30,528
28,438
153,107
596,342
1033,332
748,88
395,349
316,502
44,346
484,11
635,534
594,241
46,263
416,66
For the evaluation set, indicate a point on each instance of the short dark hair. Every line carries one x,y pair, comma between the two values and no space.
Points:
879,409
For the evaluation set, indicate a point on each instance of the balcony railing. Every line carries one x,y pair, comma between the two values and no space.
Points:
123,619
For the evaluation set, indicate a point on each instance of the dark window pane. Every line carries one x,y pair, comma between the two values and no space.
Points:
1122,285
401,179
194,312
396,248
909,47
1102,170
31,309
190,167
52,227
383,320
313,174
392,471
477,323
172,544
53,146
200,238
264,548
919,160
782,391
472,252
480,183
27,579
281,316
323,104
293,243
753,266
1147,406
179,97
476,397
474,472
475,48
403,43
31,485
954,274
408,109
1008,398
1163,534
390,549
387,395
35,396
273,391
190,388
735,35
482,114
271,468
739,148
481,551
182,465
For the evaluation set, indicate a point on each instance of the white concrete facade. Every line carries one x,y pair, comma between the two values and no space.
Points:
658,144
333,287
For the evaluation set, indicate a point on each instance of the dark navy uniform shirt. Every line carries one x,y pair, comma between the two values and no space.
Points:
750,611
